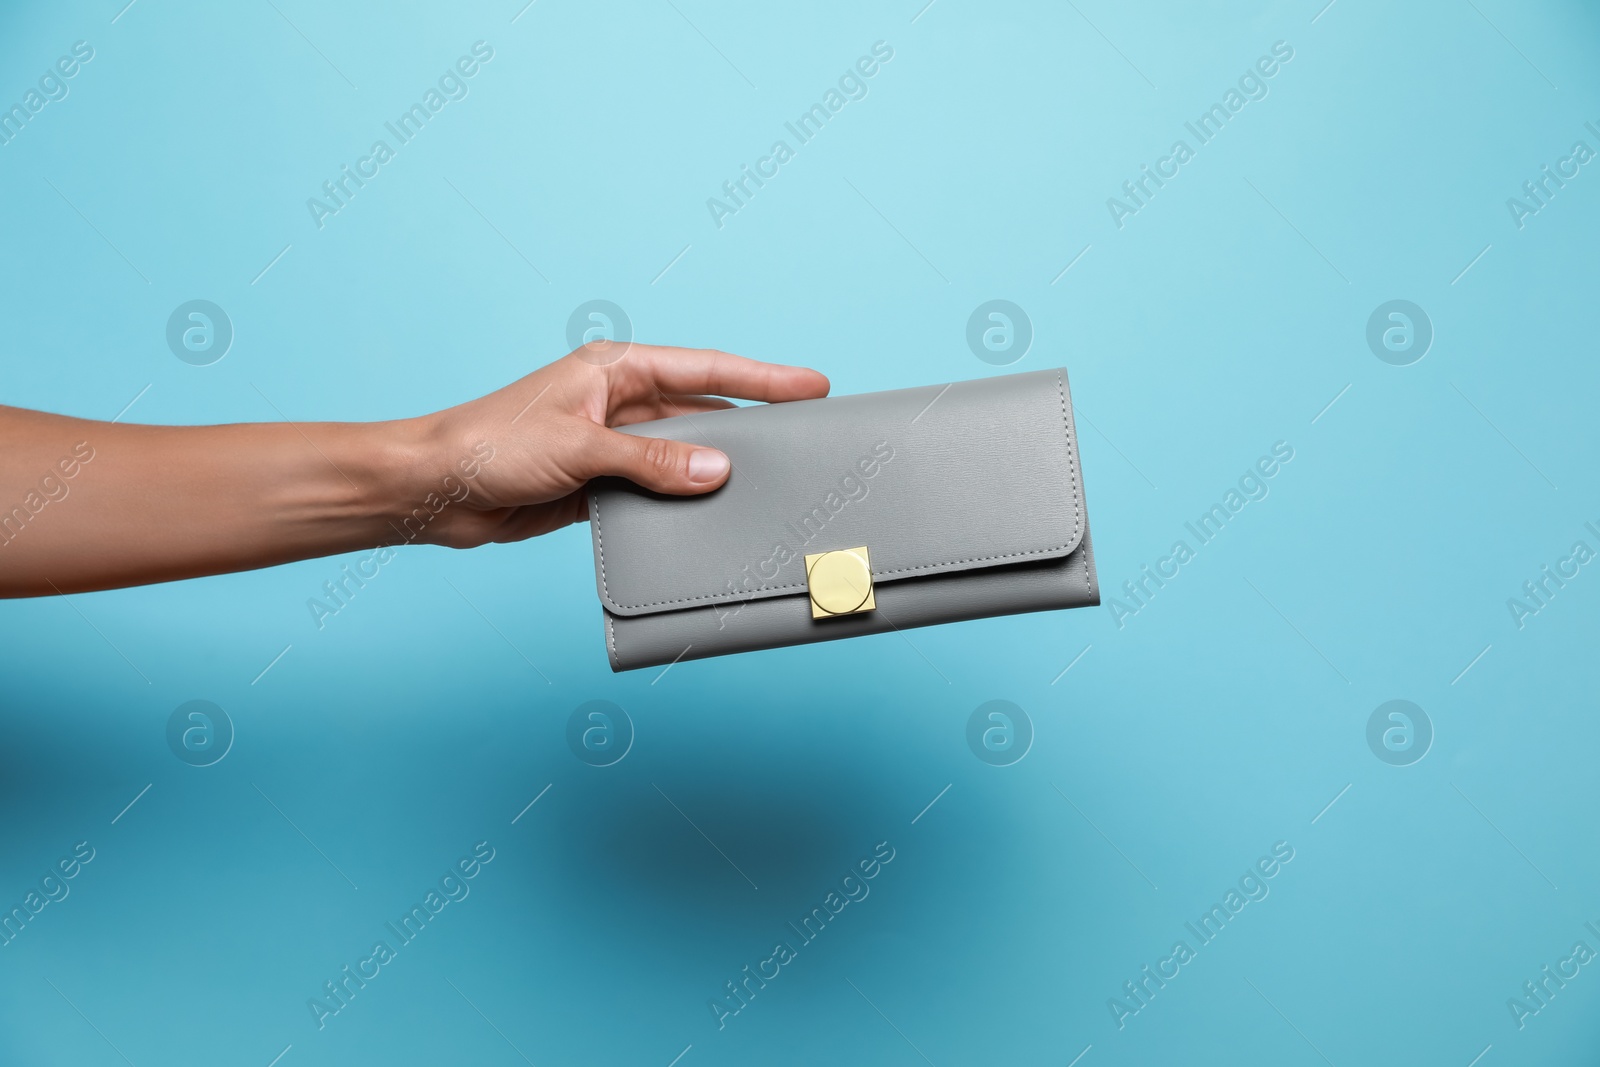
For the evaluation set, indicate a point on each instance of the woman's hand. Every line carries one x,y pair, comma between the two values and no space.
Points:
549,433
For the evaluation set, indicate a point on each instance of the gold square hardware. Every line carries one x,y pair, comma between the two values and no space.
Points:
840,582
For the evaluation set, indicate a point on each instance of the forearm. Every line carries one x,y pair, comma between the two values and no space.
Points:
94,505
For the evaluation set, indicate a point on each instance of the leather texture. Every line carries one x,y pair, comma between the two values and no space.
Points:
968,496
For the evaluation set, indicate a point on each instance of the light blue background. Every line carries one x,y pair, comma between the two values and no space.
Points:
1224,717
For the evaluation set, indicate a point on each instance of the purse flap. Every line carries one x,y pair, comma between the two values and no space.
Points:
932,480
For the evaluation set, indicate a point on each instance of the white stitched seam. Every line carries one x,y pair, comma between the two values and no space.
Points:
1072,458
600,540
1087,584
1077,517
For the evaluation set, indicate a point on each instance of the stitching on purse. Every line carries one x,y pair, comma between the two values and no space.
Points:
1087,584
600,540
1077,517
1072,461
611,636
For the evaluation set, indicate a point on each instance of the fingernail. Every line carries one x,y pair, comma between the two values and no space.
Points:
707,465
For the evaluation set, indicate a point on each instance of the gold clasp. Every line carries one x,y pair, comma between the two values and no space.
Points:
840,582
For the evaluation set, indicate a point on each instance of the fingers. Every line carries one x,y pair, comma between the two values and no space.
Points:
670,404
662,406
656,463
705,370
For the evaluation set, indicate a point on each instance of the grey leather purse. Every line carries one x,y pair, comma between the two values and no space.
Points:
850,515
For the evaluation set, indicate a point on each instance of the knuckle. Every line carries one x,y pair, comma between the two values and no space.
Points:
659,456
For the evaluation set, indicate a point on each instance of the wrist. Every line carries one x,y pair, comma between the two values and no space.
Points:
403,462
428,473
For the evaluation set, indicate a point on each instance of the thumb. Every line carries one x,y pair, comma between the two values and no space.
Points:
657,463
